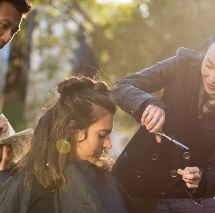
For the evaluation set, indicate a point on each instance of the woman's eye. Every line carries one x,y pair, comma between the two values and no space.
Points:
102,136
209,67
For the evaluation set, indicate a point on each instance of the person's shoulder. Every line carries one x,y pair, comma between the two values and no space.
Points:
185,53
78,166
17,179
83,167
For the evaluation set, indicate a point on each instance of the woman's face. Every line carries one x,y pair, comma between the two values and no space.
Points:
98,139
208,70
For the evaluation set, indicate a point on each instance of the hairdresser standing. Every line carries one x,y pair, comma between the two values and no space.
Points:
160,175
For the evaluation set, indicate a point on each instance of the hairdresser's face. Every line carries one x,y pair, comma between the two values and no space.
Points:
97,141
208,70
10,20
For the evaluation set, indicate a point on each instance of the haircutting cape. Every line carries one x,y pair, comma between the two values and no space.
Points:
88,189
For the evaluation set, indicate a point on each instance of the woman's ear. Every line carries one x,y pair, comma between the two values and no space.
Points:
80,135
71,123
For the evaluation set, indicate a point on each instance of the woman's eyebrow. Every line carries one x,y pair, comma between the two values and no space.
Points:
105,130
208,59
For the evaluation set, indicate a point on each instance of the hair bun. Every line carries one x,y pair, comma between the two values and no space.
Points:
102,88
74,84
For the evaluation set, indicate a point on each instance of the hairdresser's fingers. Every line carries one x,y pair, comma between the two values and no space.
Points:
158,137
191,176
7,157
153,117
3,124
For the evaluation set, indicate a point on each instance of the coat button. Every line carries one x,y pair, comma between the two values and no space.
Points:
163,194
173,173
154,156
186,155
138,174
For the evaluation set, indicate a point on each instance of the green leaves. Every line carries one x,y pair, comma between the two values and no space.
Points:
125,38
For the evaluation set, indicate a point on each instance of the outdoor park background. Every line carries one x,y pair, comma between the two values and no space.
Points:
126,36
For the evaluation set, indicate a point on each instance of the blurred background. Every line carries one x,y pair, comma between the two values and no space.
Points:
106,38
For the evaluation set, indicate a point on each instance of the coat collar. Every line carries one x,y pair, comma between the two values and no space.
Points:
192,99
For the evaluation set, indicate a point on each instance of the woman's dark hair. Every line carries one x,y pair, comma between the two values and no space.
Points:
23,6
82,102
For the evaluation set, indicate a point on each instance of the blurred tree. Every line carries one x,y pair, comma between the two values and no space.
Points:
84,61
17,75
125,37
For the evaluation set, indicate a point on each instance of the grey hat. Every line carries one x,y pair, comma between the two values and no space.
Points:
19,141
11,137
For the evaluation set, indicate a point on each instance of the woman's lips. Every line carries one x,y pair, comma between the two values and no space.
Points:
100,153
211,86
98,156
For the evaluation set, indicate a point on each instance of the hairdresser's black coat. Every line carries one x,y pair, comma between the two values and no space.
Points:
146,168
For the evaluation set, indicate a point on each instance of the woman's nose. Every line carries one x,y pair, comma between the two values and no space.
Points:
107,144
212,77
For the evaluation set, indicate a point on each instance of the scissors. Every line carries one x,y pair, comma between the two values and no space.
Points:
169,138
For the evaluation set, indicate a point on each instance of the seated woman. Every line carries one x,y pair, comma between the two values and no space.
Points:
65,168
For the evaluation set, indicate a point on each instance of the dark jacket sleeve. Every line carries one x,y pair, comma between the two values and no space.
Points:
206,187
4,175
198,194
210,177
132,94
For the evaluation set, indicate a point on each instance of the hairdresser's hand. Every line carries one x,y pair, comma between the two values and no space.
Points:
6,152
191,176
153,118
6,157
3,124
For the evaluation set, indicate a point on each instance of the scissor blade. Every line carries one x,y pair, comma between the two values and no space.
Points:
170,139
